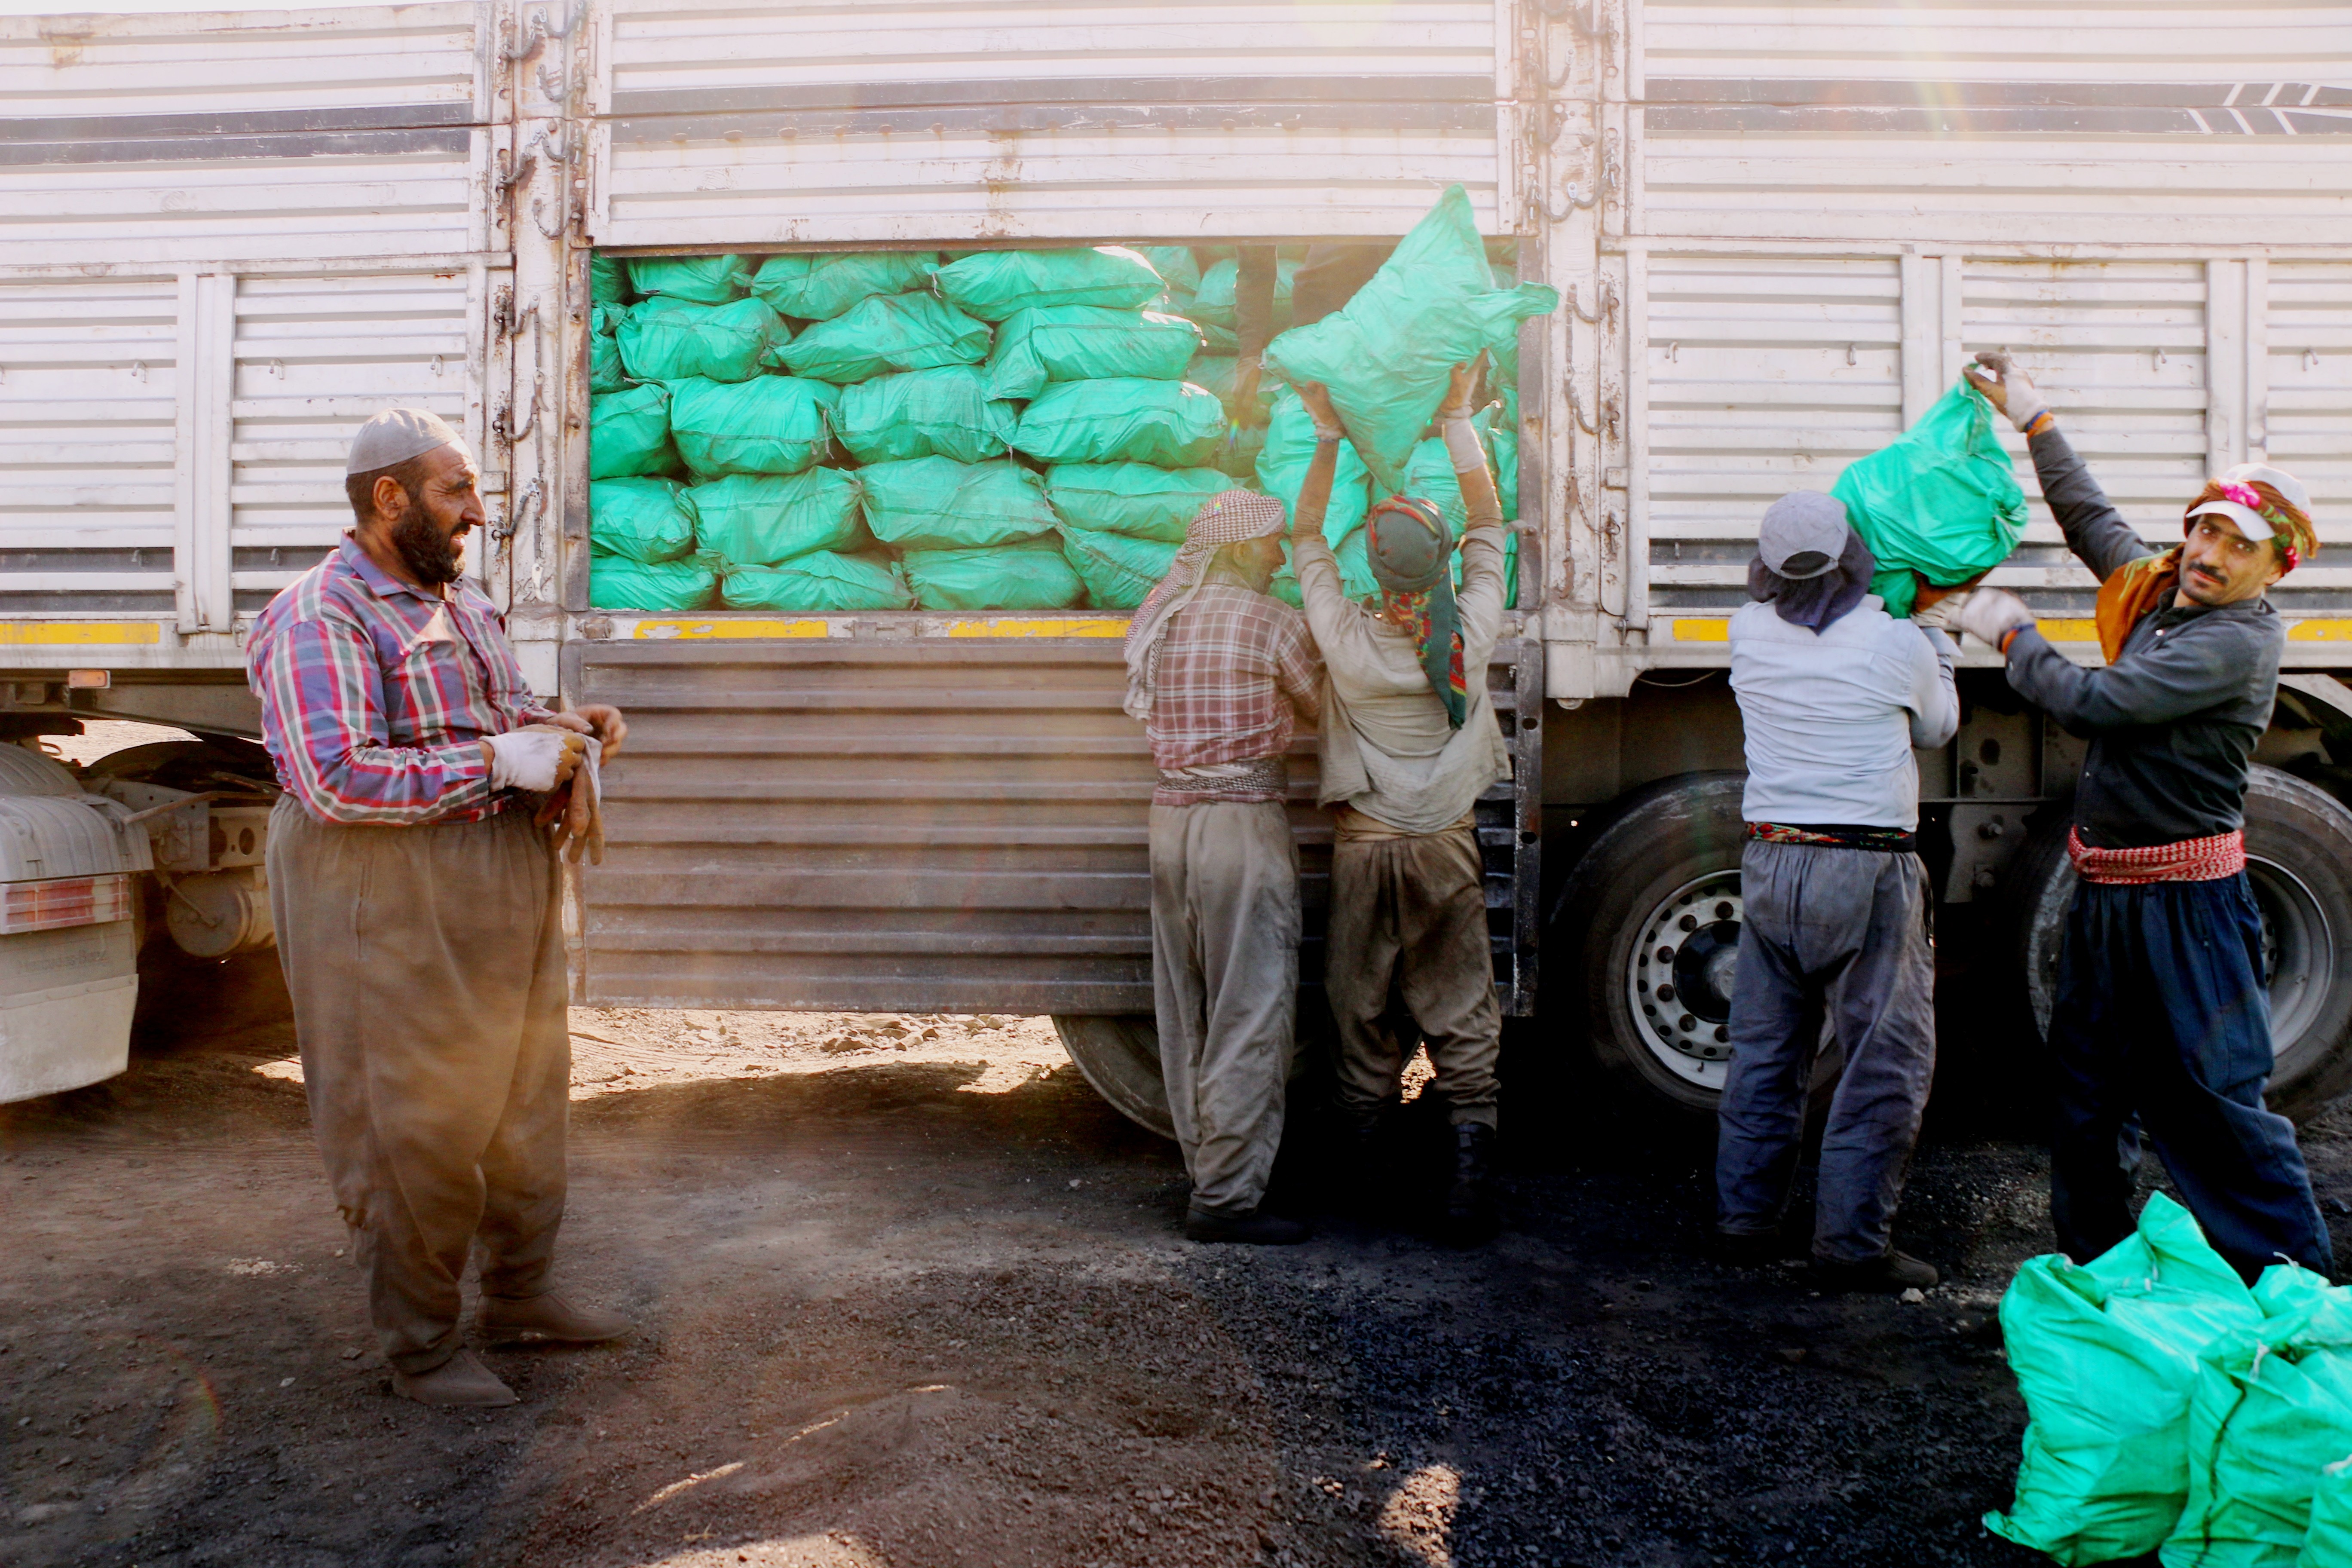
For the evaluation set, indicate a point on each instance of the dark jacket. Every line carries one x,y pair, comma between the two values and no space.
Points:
2173,721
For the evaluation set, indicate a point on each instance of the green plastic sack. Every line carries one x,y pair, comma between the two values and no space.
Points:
1221,372
1118,569
937,503
885,334
1029,576
1282,468
1088,342
769,425
825,582
994,284
705,279
945,413
1178,268
1214,304
1388,354
1134,499
1214,338
617,582
648,520
605,372
678,340
628,433
2106,1356
758,520
1123,420
608,281
819,287
1942,500
2328,1543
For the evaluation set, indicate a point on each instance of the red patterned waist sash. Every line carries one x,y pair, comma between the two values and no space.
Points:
2190,860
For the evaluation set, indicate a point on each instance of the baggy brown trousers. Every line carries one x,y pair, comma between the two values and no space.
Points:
426,969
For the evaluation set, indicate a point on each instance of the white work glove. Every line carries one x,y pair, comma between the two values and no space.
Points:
1940,614
1991,614
2008,388
533,759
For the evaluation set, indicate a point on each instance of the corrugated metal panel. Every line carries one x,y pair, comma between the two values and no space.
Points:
231,136
933,122
927,824
2309,378
89,380
1949,119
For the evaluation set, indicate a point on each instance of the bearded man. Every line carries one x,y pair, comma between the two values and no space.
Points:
418,922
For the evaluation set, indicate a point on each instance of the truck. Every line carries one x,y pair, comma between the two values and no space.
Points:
1776,234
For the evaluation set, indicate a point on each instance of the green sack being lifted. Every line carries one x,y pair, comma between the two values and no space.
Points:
937,503
886,333
628,433
605,372
2105,1356
678,340
1134,499
758,520
705,279
1389,354
1943,500
1282,468
1029,576
1118,569
769,425
946,413
648,520
1088,342
994,284
1124,420
825,583
617,582
819,287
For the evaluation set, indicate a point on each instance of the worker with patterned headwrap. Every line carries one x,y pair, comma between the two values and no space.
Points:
1221,674
1410,742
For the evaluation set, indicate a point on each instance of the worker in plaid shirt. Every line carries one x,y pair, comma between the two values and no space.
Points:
1222,675
415,900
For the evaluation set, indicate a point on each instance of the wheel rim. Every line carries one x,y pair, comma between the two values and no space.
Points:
1679,977
2298,956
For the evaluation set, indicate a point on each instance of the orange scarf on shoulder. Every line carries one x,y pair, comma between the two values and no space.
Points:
2131,590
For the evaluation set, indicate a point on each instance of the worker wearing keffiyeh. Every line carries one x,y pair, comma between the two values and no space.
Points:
1410,742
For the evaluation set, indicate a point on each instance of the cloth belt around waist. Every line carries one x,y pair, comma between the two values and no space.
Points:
1217,778
1349,826
1836,836
2209,860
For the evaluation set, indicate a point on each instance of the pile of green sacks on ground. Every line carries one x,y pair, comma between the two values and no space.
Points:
2174,1410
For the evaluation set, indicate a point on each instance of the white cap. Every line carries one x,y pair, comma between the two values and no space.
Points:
2297,495
396,435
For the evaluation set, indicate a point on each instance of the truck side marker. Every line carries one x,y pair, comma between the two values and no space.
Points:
664,630
2320,631
21,634
1712,630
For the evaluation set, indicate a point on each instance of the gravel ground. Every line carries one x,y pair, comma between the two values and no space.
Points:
912,1295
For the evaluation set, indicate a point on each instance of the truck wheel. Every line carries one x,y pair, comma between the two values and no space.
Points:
2299,862
1119,1055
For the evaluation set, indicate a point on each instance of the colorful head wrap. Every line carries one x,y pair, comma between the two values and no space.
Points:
2264,502
1228,517
1410,550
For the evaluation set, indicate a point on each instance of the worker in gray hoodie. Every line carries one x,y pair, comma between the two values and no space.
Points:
1834,693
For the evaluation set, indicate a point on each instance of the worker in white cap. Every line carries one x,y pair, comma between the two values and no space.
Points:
414,895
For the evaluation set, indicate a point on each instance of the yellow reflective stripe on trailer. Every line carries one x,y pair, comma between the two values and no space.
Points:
1022,628
1712,630
667,629
54,633
2319,631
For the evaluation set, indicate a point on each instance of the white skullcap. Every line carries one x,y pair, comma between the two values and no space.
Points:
397,435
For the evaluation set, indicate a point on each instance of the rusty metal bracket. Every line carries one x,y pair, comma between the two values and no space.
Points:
1576,409
526,505
512,171
504,426
505,319
540,32
1605,306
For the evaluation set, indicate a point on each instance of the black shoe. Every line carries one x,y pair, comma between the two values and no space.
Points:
1257,1228
1471,1217
1892,1272
1749,1248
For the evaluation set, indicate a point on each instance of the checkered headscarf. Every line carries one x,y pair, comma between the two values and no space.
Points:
1226,518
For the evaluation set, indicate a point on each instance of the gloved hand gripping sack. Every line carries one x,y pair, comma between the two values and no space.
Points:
628,433
946,413
887,333
1943,500
1118,569
994,284
1029,574
769,425
820,288
1389,354
617,582
1088,342
1134,499
825,582
648,520
677,339
605,372
1125,420
758,520
937,503
2105,1356
705,279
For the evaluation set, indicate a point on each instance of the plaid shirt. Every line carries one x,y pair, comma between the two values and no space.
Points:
375,695
1238,674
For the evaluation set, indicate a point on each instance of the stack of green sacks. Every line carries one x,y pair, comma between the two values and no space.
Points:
970,536
641,538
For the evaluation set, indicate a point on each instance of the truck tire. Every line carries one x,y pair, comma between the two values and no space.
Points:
1119,1055
2299,861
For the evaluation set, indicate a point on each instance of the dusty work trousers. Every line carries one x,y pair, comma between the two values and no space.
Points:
1409,931
426,969
1840,934
1224,983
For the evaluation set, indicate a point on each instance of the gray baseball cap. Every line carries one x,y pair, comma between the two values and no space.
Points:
396,435
1804,533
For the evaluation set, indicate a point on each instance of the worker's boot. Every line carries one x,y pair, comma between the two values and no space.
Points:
1750,1248
549,1317
1471,1215
462,1380
1890,1271
1256,1227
